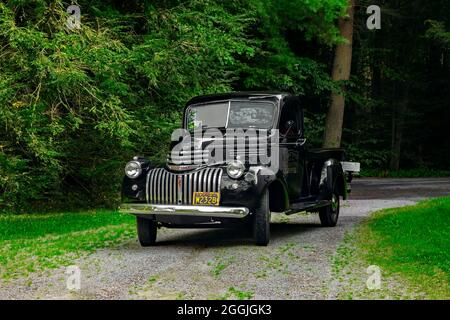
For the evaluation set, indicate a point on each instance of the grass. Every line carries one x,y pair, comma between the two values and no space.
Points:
413,242
236,294
220,264
36,242
408,173
277,261
152,279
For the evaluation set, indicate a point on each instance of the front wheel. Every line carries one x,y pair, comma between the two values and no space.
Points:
329,215
261,221
146,229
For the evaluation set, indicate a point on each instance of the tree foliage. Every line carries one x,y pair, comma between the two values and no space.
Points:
76,104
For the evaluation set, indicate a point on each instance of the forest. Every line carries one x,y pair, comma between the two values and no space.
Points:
77,103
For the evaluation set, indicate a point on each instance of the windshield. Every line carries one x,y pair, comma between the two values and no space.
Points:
231,114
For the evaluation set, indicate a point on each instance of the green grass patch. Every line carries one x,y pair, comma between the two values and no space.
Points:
409,173
236,294
220,264
413,242
35,242
152,279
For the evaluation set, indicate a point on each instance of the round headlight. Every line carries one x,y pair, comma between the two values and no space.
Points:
235,169
133,169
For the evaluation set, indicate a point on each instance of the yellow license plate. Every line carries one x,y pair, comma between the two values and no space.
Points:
206,198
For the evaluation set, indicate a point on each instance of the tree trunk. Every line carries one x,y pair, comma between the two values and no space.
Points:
398,120
341,71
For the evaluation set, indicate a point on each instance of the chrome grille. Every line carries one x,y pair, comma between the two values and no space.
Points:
164,187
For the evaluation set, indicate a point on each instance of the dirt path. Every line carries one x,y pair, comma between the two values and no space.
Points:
211,264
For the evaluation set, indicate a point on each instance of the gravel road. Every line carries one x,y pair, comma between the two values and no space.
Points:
215,264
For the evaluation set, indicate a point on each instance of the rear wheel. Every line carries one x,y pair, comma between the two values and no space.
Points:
329,215
261,221
146,229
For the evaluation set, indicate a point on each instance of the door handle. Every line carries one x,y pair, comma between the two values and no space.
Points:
300,142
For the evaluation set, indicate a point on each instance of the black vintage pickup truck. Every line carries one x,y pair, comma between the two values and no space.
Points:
238,158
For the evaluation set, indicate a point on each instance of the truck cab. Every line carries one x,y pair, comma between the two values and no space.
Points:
238,158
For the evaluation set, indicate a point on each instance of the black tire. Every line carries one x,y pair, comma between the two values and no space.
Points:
329,215
146,229
261,221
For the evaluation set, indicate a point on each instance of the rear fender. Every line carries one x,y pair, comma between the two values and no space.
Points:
332,174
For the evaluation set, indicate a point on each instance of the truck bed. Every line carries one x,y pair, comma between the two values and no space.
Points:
325,153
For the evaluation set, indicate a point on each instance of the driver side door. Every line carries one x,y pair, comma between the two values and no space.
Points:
291,128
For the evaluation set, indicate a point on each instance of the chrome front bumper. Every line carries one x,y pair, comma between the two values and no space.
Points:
183,210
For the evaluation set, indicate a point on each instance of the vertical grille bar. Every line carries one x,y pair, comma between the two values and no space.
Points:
170,187
147,197
157,187
185,188
200,179
149,186
161,187
152,188
191,189
154,183
194,187
214,181
205,180
217,180
166,186
175,189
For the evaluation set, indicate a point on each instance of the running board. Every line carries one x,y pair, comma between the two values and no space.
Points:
304,206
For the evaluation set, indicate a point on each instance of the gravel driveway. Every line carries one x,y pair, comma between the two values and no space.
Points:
215,264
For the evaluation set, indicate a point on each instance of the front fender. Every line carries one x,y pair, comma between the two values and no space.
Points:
263,177
275,184
247,190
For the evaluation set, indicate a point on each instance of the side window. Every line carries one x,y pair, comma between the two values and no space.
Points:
290,120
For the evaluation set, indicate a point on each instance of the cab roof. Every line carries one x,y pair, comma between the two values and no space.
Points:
239,95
